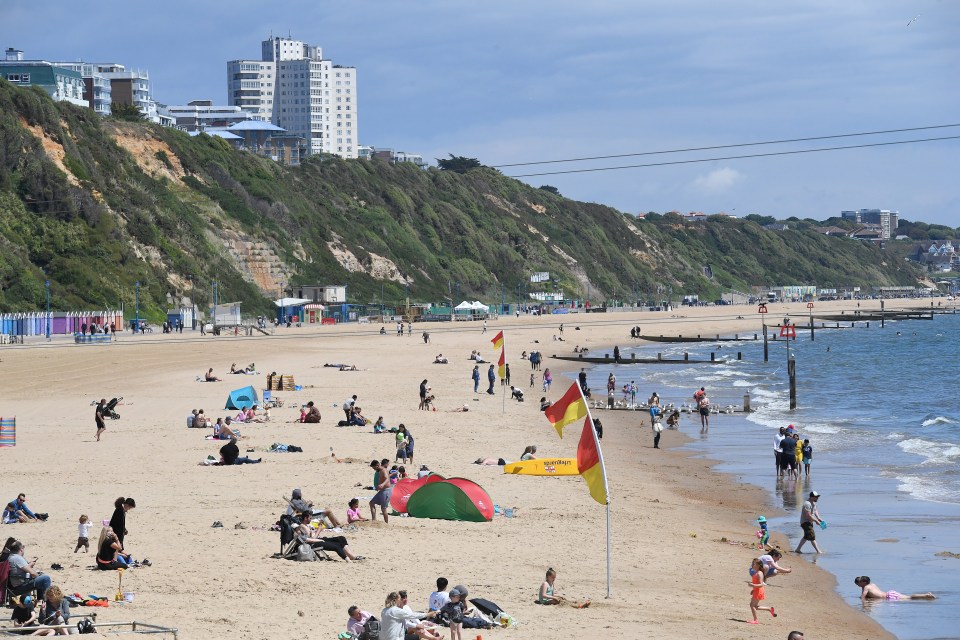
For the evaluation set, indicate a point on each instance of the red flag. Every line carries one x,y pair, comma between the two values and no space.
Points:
568,409
590,464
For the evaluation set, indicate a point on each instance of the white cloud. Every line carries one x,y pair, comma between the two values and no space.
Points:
718,179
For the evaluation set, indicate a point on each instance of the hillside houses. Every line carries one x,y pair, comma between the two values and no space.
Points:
939,257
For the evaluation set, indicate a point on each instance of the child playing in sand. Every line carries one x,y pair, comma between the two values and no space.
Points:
548,595
353,512
756,591
764,533
83,540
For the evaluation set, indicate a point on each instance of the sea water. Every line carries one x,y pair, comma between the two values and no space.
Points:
881,409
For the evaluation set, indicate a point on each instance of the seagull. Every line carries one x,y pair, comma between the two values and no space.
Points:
914,19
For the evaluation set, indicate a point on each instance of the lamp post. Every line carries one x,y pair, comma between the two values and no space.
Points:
283,311
47,285
136,317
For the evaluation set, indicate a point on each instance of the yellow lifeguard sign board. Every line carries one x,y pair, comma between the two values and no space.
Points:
543,467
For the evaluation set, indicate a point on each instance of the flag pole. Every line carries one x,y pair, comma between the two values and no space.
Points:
606,488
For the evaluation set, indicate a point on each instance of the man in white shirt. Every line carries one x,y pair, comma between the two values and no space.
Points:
348,407
809,516
777,439
439,597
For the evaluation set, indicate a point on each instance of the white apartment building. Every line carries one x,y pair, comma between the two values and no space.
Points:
200,115
294,87
888,220
96,91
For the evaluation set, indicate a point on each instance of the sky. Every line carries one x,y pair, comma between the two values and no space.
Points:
528,81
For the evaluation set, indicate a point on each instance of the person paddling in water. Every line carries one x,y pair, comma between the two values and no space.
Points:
870,591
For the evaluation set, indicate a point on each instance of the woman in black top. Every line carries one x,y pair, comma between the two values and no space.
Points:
111,556
119,520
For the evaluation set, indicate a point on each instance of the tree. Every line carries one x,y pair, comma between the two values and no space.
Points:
123,111
459,164
550,189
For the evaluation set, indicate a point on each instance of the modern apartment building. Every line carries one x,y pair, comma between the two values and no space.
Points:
294,87
199,115
130,87
111,83
888,220
62,84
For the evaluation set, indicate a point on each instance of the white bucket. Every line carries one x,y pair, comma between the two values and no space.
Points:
128,596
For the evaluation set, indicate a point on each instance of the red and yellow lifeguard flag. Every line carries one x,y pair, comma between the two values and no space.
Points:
502,363
568,409
590,464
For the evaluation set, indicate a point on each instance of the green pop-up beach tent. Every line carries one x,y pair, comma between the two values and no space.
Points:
451,499
239,398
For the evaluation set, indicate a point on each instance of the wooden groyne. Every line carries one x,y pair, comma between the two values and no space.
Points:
633,359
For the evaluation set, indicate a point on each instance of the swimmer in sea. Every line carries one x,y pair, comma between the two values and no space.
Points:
871,591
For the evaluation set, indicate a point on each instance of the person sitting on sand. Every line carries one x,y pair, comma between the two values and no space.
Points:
230,455
548,594
210,377
223,430
298,505
12,516
870,591
528,453
545,404
241,415
201,421
337,544
234,370
378,426
313,413
111,556
353,512
251,414
440,360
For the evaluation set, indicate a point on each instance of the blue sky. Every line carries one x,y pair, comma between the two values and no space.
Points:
533,80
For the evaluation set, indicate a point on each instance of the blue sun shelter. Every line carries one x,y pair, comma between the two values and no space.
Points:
245,397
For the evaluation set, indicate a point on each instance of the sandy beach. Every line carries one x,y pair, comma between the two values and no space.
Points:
672,576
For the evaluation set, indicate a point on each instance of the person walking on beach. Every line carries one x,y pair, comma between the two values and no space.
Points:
98,417
809,516
491,378
484,327
757,593
476,378
777,439
870,591
582,377
703,406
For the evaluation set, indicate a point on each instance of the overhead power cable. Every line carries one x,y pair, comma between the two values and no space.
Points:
728,146
751,155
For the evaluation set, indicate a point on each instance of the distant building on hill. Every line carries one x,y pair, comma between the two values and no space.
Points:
199,115
887,220
391,156
62,84
294,87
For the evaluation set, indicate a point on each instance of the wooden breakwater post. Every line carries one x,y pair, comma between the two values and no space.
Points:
746,403
766,348
792,374
881,315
